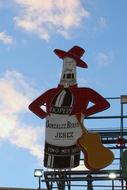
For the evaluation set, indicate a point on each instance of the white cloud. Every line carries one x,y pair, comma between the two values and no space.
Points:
27,137
14,100
15,92
104,59
6,39
47,16
102,22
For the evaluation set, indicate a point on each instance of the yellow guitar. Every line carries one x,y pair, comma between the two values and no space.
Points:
96,155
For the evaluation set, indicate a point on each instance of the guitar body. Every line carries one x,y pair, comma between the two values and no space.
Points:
96,155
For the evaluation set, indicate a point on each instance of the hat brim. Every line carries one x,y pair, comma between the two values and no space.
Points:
62,54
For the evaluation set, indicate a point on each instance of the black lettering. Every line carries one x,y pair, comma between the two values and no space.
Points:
61,110
72,125
70,135
64,135
57,135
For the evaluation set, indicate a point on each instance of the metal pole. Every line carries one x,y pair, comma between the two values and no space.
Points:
89,182
121,133
113,184
39,183
126,184
121,123
61,182
61,185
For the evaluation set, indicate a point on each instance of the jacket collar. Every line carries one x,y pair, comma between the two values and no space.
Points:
73,86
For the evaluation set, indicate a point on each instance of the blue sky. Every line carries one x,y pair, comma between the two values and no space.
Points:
29,32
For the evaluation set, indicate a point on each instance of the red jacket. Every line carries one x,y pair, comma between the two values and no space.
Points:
82,96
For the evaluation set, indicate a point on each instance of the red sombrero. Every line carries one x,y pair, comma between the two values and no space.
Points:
75,52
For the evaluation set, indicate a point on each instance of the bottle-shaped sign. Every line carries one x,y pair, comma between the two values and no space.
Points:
64,104
62,129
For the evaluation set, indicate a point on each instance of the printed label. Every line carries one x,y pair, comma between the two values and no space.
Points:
62,130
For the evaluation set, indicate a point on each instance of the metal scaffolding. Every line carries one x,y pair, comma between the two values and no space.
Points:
114,138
